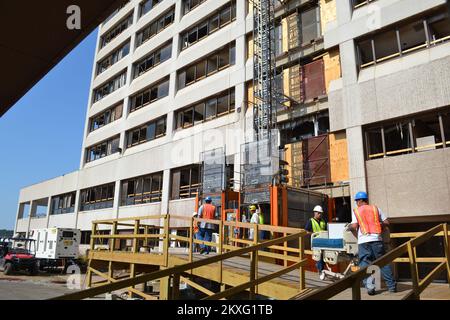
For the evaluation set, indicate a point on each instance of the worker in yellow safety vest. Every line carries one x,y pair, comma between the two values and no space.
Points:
256,216
317,224
368,224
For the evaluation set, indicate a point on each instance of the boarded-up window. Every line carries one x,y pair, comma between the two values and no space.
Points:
313,80
316,161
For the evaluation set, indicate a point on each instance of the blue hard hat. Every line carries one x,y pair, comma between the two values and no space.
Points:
208,199
361,196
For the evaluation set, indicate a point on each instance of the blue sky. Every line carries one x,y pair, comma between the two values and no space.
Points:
42,133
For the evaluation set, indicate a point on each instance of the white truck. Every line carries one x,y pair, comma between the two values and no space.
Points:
56,247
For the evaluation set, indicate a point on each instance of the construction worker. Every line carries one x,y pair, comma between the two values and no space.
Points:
258,218
368,224
316,224
207,211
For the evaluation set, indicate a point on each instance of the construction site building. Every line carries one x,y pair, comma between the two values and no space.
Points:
364,108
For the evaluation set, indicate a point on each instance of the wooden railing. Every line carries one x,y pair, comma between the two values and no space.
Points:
418,286
156,239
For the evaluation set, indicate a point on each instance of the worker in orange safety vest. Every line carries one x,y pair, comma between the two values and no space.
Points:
368,224
207,211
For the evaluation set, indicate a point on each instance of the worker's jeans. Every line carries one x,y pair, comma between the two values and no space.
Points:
368,253
320,265
206,235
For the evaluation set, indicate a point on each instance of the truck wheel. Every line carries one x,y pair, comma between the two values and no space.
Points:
33,270
8,268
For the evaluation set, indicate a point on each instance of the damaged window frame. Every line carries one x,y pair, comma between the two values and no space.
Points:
159,127
429,40
143,190
193,109
413,136
103,149
110,86
113,58
189,190
149,95
106,117
219,60
185,35
98,197
151,61
116,30
63,203
156,26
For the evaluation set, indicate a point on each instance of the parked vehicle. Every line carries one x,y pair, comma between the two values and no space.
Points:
56,247
17,254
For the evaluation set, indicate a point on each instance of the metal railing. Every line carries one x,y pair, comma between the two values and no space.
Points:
152,239
418,285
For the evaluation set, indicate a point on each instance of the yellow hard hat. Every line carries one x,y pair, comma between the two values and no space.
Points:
252,207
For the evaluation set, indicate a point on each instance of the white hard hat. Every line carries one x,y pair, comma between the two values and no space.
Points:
194,214
318,209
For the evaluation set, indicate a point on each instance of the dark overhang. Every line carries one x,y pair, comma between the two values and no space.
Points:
34,37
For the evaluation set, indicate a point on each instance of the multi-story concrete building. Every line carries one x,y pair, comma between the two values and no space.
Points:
393,102
172,78
366,108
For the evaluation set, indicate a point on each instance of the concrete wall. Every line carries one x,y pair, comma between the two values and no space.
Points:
411,185
414,83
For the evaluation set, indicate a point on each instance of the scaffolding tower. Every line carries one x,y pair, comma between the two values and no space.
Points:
264,68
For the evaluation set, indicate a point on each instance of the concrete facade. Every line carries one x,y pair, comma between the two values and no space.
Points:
178,147
404,185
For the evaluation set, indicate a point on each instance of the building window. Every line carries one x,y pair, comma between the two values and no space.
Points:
100,197
185,182
112,85
106,117
219,105
148,132
360,3
112,15
113,58
64,203
147,5
145,189
152,60
220,18
446,126
189,5
404,39
85,237
417,134
149,95
116,30
103,149
217,61
155,27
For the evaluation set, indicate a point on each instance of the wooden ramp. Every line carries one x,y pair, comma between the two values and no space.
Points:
273,268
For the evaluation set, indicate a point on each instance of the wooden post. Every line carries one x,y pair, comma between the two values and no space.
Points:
92,246
220,249
176,286
164,287
111,249
135,249
166,242
301,256
356,289
285,253
413,268
146,239
191,241
447,251
253,273
254,255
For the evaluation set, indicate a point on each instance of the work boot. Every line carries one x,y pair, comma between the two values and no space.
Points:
393,289
371,292
202,250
